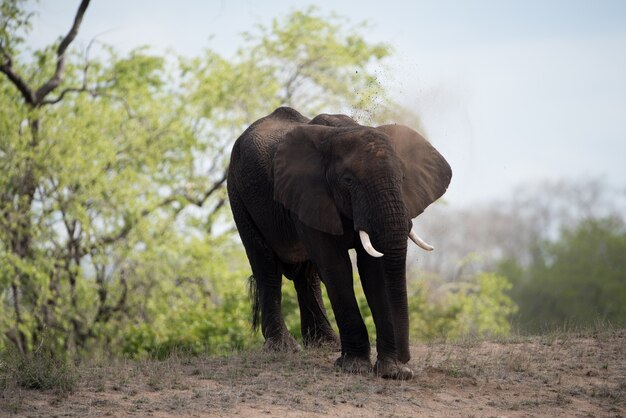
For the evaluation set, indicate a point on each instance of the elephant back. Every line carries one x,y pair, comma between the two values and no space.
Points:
337,120
250,178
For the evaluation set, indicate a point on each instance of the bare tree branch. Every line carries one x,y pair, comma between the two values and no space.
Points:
130,224
213,188
105,311
55,80
7,68
93,92
66,91
36,98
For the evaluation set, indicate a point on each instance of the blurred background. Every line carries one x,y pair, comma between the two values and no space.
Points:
115,230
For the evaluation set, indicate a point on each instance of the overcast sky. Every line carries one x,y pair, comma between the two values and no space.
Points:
511,92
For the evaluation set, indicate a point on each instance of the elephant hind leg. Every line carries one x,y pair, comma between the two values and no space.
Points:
265,282
314,324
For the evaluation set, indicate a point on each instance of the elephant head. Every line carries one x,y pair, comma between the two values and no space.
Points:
380,178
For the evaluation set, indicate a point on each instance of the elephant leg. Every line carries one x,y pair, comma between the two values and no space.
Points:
314,323
372,274
267,273
277,337
355,346
335,269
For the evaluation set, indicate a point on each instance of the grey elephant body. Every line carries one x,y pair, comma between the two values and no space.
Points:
300,192
251,174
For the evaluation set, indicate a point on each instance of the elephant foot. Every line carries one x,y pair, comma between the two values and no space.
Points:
322,339
391,369
284,343
353,364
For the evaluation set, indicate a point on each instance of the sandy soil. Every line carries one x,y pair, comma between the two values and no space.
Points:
555,375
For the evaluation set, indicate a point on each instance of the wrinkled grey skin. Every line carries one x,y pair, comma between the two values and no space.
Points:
300,190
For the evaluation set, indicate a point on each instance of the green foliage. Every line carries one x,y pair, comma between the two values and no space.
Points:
99,173
577,279
477,306
114,232
195,302
194,330
322,63
14,24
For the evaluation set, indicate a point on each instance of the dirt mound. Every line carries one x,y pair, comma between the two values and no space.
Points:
555,375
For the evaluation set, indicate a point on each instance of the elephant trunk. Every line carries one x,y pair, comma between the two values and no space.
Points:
390,237
395,274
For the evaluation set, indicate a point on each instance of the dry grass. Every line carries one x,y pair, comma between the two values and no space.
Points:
566,374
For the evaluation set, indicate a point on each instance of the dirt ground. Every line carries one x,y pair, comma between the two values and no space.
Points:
553,375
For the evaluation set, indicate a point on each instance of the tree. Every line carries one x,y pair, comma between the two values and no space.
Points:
511,227
577,279
20,188
556,242
319,63
112,209
312,62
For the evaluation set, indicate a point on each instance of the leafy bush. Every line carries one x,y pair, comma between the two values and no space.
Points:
575,280
195,330
477,306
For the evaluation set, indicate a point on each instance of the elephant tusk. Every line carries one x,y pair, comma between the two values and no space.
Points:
367,244
420,242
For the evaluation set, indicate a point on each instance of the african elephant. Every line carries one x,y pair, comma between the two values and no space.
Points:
303,192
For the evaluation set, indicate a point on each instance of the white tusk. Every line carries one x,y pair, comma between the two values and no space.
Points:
367,244
420,242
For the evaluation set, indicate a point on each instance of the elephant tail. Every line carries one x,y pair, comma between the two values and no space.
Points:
255,302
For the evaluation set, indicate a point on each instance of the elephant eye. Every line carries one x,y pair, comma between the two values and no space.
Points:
347,179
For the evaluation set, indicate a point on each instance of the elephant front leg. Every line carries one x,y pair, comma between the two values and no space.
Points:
333,264
355,345
372,274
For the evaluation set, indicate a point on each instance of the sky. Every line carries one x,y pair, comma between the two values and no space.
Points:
510,92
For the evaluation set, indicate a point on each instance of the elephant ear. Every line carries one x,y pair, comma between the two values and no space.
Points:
300,178
426,173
